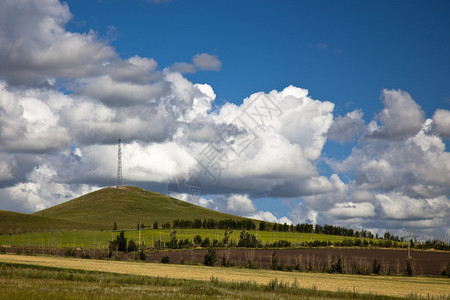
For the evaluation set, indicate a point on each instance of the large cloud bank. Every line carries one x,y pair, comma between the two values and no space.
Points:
66,97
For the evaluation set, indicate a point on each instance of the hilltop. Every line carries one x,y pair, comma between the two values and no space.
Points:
127,207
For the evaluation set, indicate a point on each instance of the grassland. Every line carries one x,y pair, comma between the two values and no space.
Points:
99,239
127,207
342,286
35,282
13,223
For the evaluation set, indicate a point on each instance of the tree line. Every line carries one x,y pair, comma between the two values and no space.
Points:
232,224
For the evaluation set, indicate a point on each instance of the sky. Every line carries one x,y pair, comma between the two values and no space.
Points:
325,112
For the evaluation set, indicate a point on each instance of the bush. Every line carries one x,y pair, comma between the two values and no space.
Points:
226,262
446,271
165,259
70,252
210,257
132,246
409,267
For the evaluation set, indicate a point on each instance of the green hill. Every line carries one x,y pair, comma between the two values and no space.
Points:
12,222
127,207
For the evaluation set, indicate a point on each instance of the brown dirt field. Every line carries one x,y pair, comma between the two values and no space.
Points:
384,285
392,261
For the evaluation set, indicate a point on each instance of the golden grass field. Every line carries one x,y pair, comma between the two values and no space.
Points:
383,285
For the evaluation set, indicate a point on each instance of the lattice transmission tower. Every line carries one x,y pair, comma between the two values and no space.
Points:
119,184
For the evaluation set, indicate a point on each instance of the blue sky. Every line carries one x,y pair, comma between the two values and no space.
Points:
362,88
342,51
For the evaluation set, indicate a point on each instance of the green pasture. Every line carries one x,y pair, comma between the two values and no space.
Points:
99,239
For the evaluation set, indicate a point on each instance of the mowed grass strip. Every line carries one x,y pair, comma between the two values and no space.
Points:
382,285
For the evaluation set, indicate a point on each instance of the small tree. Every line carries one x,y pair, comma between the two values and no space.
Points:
210,257
155,225
275,261
173,243
206,242
140,254
198,240
119,244
376,267
115,226
226,238
262,226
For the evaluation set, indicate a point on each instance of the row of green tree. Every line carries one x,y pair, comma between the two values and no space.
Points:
248,224
246,240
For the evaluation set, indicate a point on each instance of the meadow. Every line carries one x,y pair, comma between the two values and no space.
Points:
99,239
24,276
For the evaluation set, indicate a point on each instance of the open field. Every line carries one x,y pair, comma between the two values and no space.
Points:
99,239
20,281
383,285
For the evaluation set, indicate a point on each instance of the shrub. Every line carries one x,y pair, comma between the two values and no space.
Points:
409,267
446,271
140,254
70,252
132,246
165,259
226,262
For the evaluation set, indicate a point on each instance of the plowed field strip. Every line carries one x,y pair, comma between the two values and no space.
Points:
384,285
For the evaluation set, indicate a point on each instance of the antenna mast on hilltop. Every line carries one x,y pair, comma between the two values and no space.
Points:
119,165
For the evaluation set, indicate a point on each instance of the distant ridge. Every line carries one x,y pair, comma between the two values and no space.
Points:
126,207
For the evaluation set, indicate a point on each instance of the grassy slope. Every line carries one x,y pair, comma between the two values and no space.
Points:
127,207
12,222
